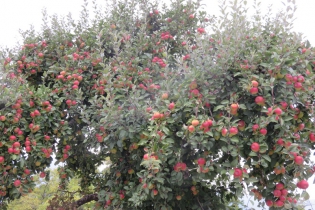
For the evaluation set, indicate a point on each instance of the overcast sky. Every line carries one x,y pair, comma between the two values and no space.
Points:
20,14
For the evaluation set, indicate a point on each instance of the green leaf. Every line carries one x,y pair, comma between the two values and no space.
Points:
266,157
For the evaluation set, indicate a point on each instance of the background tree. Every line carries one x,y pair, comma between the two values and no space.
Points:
45,191
191,109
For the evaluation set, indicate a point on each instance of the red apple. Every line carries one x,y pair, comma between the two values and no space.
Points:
255,147
255,127
278,111
277,193
253,90
280,142
233,131
263,131
201,161
2,118
284,192
269,203
260,100
254,83
238,173
279,186
191,128
303,184
224,131
16,144
171,106
1,159
17,183
279,203
27,171
298,160
12,138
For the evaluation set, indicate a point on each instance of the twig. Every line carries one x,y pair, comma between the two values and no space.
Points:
199,203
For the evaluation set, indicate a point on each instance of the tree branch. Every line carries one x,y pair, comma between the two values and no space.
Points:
86,199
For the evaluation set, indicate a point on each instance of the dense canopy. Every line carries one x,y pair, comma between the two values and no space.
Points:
191,110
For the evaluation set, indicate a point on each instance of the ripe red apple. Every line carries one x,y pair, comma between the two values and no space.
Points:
301,126
238,173
27,171
277,193
1,159
28,149
298,160
254,83
255,127
241,125
269,203
304,50
279,203
263,131
16,144
12,138
280,142
46,137
201,161
255,147
278,111
191,128
155,192
233,131
121,196
234,107
2,118
224,131
253,90
146,156
312,137
279,186
303,184
171,106
17,183
298,86
284,192
260,100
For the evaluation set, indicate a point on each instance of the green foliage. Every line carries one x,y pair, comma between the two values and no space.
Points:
190,109
43,192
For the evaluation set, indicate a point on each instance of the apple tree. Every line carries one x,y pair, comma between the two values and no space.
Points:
192,110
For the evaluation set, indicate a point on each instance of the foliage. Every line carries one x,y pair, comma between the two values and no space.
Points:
44,191
190,109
